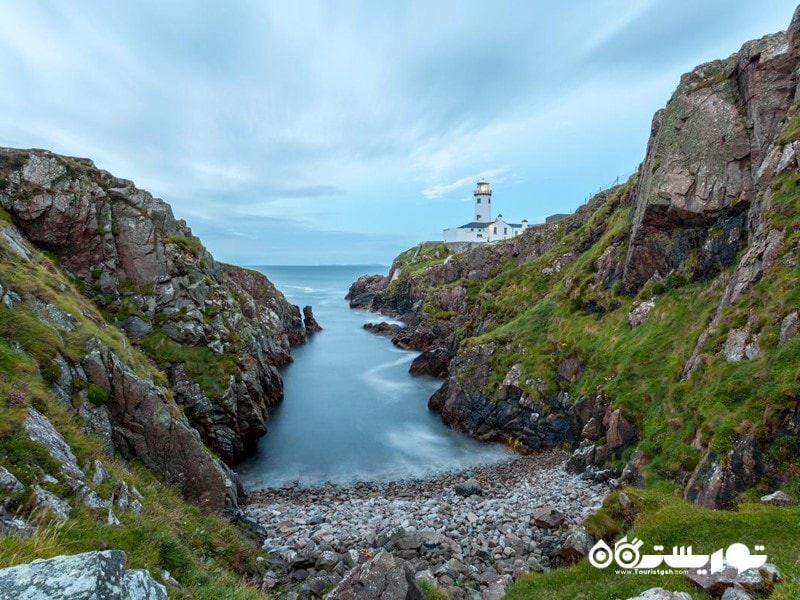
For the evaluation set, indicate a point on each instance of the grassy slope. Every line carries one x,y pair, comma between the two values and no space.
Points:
665,519
209,557
544,319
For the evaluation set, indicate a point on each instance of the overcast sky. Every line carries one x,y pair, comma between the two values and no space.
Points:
344,132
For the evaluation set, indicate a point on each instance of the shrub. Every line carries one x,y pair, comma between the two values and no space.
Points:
97,394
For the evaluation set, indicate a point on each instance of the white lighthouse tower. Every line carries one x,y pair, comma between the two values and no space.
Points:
483,202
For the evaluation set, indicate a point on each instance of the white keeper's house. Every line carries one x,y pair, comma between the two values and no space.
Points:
483,229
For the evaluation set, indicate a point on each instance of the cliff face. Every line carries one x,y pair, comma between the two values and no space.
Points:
652,331
218,331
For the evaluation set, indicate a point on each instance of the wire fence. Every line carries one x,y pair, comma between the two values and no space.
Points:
616,181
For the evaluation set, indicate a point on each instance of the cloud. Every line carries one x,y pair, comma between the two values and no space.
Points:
441,189
271,125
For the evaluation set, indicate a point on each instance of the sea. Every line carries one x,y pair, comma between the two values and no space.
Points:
351,411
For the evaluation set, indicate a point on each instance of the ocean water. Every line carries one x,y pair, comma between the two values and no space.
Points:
351,411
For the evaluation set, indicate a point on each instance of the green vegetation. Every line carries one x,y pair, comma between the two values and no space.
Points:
554,307
209,557
431,590
211,371
663,518
97,394
189,244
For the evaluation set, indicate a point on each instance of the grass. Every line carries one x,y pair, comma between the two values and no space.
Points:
208,556
210,371
666,519
538,319
190,244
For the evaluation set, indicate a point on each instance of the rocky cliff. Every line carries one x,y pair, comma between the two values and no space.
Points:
219,332
653,330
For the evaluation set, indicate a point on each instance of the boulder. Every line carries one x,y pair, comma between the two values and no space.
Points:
434,362
570,369
470,487
548,517
9,484
100,476
575,547
41,430
753,581
661,594
777,498
619,432
789,326
13,525
733,593
80,577
382,578
47,500
639,313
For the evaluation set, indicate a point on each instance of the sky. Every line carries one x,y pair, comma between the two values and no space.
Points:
300,132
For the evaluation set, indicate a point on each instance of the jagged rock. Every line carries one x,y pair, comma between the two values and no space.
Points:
326,561
136,507
753,581
136,327
735,594
632,471
112,519
147,428
591,431
570,369
309,322
363,290
389,536
383,328
384,577
470,487
734,349
122,497
170,580
640,312
548,517
618,431
435,363
12,525
79,577
661,594
778,498
97,422
47,500
128,249
100,476
715,485
9,484
41,430
789,326
575,547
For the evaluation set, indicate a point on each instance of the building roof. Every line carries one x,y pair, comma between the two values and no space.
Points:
475,225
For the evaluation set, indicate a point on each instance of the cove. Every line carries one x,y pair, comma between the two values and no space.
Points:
351,411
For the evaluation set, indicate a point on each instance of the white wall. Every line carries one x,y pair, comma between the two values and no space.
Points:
457,234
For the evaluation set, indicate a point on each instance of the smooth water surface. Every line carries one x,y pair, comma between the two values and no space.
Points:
351,410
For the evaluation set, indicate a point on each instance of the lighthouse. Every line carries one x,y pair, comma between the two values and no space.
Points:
483,202
483,229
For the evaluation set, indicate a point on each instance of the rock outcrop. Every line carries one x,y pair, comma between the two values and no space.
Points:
218,331
80,577
384,577
508,325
